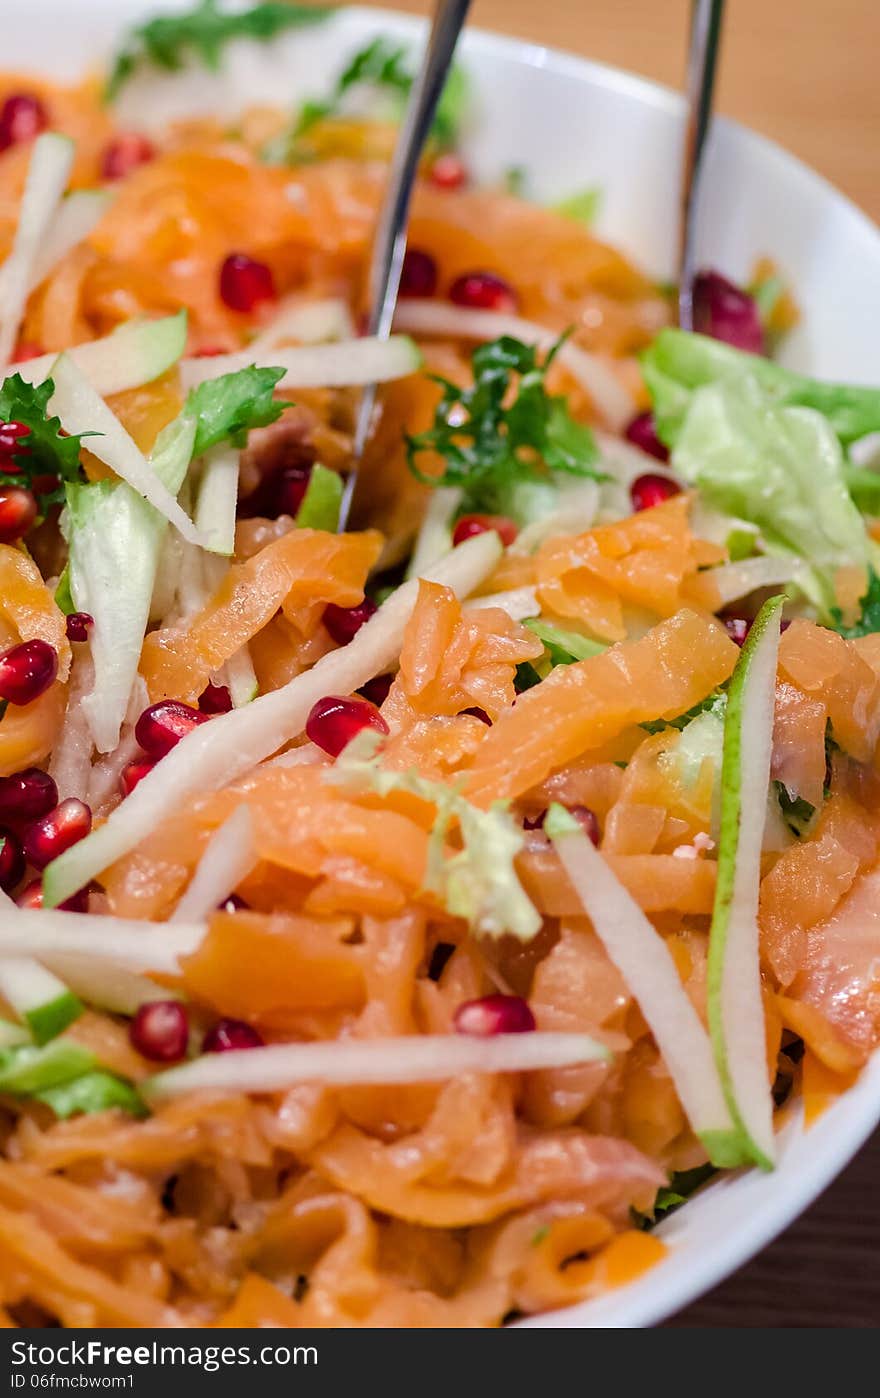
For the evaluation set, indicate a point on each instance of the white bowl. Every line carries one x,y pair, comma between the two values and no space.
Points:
572,124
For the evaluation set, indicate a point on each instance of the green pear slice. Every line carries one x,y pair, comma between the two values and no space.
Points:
736,1014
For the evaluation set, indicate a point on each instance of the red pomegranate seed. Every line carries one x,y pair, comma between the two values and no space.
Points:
585,818
231,1034
480,714
232,904
215,699
418,276
244,282
290,489
25,350
133,773
160,1031
125,154
469,525
494,1014
27,671
11,860
726,312
55,832
643,434
449,171
32,897
737,628
209,352
376,689
650,490
22,117
162,725
334,721
345,622
18,510
12,435
483,291
27,794
77,625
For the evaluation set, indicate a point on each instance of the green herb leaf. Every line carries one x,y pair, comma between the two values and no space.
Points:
227,408
869,618
796,812
582,206
503,432
671,1197
96,1091
44,452
380,66
168,41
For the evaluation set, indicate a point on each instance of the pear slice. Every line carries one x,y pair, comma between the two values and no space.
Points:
736,1014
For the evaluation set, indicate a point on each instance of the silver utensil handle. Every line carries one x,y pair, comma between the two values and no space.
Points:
390,241
705,37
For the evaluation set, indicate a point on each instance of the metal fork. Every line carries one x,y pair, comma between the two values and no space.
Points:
390,242
705,39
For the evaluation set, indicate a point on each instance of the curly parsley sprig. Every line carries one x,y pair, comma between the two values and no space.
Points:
44,454
504,431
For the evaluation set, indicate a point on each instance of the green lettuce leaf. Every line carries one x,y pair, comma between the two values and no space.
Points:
776,465
563,647
169,41
869,617
676,364
321,502
227,408
479,882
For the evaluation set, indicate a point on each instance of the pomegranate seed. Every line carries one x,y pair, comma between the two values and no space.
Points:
162,725
11,860
480,714
650,490
345,622
418,276
494,1014
22,117
449,171
376,689
133,773
18,510
160,1031
125,154
290,489
77,625
32,897
244,282
52,834
27,794
25,350
215,699
483,291
737,628
27,671
231,1034
726,312
469,525
585,818
232,904
12,434
643,434
209,352
333,722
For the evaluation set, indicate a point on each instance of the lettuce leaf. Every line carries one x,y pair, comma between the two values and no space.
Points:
95,1091
677,363
479,882
779,466
563,647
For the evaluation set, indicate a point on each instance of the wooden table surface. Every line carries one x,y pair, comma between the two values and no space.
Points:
805,73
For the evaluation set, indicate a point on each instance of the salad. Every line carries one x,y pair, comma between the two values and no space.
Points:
397,923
